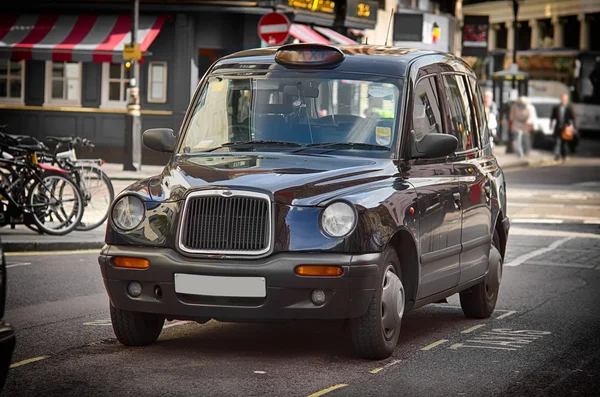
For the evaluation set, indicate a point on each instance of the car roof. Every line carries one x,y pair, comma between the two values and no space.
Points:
376,59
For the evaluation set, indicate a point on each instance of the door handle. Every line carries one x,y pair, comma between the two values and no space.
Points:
456,197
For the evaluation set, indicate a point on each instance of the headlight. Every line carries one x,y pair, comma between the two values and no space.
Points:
338,219
128,212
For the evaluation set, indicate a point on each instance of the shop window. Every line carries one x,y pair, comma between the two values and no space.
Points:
63,83
157,82
114,85
12,76
427,117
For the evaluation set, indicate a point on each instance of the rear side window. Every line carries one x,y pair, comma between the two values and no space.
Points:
481,115
427,117
460,112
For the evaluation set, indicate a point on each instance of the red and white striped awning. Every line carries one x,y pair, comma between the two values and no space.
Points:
334,36
306,34
88,37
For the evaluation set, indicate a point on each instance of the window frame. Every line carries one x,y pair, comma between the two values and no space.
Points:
14,100
437,87
149,98
448,110
48,100
105,101
481,119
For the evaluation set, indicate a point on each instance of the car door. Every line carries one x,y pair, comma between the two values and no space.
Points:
437,186
474,182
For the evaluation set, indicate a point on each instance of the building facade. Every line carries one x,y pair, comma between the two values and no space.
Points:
62,71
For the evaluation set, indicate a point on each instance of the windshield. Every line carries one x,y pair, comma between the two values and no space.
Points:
290,111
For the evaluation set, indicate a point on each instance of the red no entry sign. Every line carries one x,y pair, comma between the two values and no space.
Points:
274,28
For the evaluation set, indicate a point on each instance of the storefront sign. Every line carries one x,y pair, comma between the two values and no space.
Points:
362,11
326,6
475,36
422,30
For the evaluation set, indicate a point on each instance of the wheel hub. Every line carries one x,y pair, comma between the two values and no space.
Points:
392,303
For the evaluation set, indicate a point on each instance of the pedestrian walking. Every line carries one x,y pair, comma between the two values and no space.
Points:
491,111
521,120
564,126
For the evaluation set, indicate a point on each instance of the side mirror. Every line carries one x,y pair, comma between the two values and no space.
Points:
160,139
432,145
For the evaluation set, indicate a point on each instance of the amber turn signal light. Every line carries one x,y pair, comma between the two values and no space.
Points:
307,270
131,263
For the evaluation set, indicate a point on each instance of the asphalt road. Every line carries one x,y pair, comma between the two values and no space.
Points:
542,339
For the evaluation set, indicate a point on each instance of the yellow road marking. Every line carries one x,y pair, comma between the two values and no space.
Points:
456,346
434,344
473,328
42,253
176,324
28,361
329,389
376,370
510,313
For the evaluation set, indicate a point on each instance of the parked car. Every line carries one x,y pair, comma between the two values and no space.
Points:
314,182
7,333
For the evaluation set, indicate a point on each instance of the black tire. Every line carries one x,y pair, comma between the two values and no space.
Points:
72,220
480,300
370,338
136,328
87,223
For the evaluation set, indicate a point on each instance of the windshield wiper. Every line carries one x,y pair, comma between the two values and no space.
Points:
342,145
259,142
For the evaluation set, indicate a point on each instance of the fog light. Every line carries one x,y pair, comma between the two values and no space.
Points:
318,296
135,289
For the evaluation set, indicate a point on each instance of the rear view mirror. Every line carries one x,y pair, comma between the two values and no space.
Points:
160,139
432,145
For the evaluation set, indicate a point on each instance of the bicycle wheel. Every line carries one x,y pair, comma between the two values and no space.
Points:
98,192
56,204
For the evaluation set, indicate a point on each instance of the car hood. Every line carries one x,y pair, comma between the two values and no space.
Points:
290,178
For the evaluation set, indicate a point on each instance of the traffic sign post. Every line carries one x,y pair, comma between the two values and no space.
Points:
274,28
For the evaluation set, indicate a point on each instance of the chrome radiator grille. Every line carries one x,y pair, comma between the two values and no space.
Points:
225,222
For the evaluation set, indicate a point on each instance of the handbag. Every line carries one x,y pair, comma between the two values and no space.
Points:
566,134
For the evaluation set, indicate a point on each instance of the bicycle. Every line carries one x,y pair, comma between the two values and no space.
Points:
36,193
95,185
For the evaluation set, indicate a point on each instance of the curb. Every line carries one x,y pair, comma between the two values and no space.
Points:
34,246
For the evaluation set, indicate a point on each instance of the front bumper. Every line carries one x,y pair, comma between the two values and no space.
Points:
287,297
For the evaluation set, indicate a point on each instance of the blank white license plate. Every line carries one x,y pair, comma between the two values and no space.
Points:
233,287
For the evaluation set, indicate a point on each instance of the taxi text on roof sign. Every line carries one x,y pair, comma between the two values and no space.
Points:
300,55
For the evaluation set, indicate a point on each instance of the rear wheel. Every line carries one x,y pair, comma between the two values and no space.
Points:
375,334
98,193
479,301
136,328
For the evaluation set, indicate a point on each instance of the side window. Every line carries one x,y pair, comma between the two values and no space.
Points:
461,123
481,114
427,118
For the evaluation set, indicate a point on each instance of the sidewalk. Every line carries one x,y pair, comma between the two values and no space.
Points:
22,239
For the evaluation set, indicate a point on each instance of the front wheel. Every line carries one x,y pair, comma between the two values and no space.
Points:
136,328
375,334
480,300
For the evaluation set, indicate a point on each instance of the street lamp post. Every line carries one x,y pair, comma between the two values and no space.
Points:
132,160
509,144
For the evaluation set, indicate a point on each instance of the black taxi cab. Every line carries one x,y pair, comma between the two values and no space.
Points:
314,182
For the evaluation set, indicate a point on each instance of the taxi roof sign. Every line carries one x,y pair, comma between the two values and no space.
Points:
307,55
132,52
